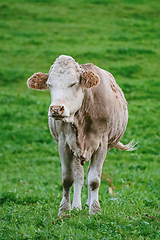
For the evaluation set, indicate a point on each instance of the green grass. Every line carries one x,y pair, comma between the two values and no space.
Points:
122,37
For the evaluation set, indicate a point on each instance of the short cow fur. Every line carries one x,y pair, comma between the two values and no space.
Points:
87,117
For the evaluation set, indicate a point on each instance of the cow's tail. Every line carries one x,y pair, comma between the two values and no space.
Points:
129,147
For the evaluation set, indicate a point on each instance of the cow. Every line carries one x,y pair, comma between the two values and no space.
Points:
87,117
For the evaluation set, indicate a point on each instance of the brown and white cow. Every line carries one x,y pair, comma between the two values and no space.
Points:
87,117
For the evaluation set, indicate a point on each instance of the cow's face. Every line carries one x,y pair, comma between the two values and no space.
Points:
66,82
66,93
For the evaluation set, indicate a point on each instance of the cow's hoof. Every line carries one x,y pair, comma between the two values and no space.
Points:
76,205
77,208
64,206
95,208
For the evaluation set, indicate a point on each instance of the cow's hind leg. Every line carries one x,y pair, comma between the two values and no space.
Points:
66,157
94,177
78,183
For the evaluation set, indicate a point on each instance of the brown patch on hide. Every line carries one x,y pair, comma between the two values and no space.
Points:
67,182
89,79
113,87
38,81
94,185
88,123
124,107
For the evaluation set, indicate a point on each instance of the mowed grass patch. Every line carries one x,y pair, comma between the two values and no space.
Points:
119,36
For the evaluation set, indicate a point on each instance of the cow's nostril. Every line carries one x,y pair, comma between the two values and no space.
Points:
61,108
57,110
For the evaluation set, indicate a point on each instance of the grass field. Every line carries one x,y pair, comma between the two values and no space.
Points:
122,37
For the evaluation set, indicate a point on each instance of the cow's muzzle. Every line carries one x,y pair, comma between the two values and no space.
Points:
57,111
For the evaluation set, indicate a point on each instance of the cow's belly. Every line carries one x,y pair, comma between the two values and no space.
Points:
119,125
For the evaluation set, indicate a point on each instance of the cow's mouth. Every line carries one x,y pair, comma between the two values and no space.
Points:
58,112
59,117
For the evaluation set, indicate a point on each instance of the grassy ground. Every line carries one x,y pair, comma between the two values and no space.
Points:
122,37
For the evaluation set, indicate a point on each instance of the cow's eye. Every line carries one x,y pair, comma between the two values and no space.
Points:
72,84
48,85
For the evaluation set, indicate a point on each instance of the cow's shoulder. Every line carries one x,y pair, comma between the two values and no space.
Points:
87,65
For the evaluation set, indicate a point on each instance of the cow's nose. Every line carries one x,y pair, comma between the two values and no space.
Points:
57,110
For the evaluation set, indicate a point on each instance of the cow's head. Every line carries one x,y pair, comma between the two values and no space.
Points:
66,82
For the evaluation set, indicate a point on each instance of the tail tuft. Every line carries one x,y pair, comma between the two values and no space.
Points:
129,147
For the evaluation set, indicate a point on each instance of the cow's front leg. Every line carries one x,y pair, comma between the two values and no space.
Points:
94,178
66,157
78,183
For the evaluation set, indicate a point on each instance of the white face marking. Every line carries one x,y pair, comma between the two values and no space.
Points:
66,90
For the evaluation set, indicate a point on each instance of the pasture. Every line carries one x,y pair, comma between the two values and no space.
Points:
122,37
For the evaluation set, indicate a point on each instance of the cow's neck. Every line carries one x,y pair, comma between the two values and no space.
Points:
91,117
83,119
85,127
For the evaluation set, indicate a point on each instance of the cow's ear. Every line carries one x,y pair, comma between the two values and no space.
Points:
38,81
89,79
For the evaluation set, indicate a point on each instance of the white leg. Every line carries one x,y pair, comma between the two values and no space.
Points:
78,183
67,175
94,184
94,177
